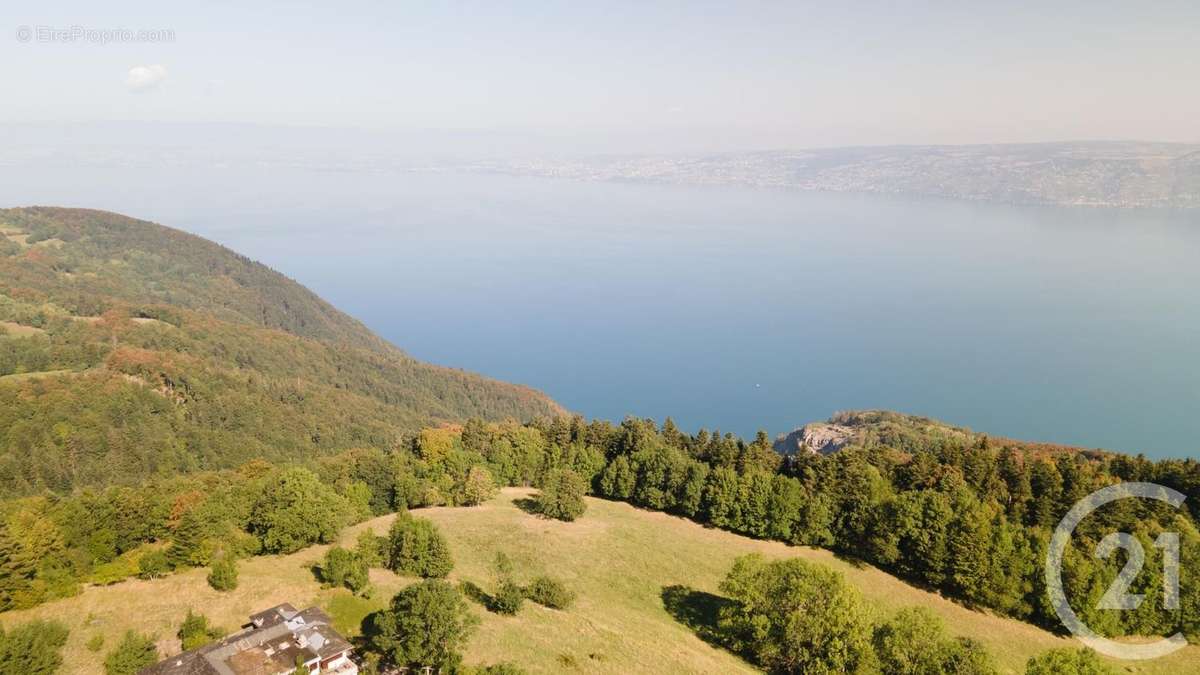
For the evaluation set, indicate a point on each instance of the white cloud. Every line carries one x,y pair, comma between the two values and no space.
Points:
145,78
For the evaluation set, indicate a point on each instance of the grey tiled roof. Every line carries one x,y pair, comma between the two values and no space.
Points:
269,644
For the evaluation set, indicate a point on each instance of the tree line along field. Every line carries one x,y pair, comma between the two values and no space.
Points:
949,512
617,558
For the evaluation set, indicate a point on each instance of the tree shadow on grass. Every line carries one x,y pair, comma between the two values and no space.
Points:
528,505
474,592
369,630
850,559
698,611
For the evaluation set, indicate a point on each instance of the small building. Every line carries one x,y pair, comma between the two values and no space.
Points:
274,642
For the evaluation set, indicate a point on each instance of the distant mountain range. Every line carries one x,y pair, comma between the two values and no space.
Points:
1120,174
1096,174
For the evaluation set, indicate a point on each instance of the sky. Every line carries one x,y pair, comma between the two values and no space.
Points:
622,75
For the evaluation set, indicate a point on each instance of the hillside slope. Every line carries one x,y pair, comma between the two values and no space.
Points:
620,560
128,349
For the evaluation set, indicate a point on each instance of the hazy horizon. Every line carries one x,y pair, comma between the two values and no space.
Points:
624,77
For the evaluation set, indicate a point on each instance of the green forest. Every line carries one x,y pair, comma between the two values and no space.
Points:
129,350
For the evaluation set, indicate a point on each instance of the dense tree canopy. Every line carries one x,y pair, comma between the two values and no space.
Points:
179,355
296,510
795,617
427,624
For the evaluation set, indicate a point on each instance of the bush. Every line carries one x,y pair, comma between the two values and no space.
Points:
33,648
344,568
914,642
427,624
508,598
127,565
416,547
195,632
95,643
133,653
549,592
153,564
371,549
1067,662
562,495
223,576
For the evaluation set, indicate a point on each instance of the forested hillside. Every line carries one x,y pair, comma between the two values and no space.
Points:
129,350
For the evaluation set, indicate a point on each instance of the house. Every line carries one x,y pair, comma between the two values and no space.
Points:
274,642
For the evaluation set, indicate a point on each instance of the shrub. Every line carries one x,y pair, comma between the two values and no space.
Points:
223,575
509,596
416,547
153,564
33,648
196,632
95,643
1067,662
914,642
131,654
549,592
371,549
125,566
562,495
427,624
344,568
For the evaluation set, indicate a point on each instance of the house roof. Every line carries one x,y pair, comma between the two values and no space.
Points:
270,644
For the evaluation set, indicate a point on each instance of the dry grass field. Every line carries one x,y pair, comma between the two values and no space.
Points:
617,558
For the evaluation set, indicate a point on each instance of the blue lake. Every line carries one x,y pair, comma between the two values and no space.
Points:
727,308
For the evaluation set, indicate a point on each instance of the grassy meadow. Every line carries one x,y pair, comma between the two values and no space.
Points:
617,558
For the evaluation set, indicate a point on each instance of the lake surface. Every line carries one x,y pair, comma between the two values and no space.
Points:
726,308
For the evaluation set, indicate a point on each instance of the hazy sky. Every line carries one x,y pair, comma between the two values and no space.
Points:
685,75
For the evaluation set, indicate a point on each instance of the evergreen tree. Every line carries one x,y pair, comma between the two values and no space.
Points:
223,575
195,631
33,648
561,496
16,570
185,542
133,653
